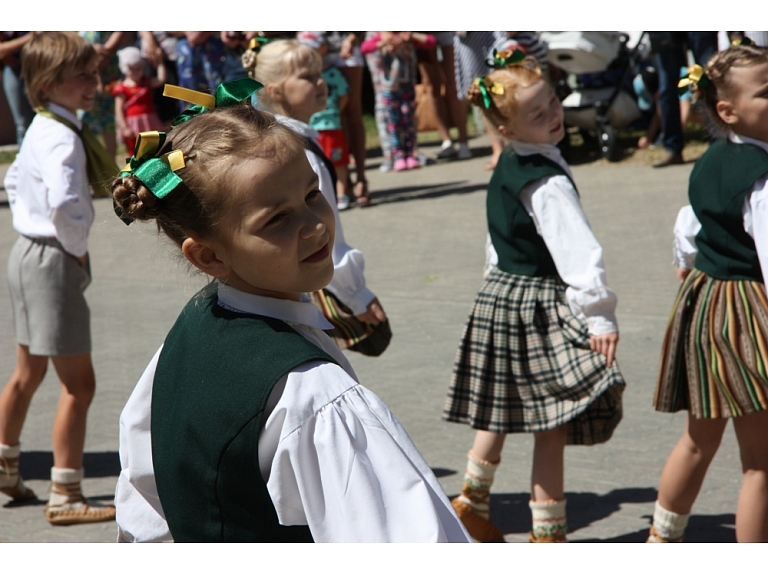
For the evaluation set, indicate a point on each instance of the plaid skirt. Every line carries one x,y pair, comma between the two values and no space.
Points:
524,365
715,349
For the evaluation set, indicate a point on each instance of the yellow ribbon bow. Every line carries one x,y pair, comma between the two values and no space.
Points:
488,87
695,75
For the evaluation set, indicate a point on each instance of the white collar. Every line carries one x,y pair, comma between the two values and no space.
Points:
66,114
302,312
549,151
298,126
737,139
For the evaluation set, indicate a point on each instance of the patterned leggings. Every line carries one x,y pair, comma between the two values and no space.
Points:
400,109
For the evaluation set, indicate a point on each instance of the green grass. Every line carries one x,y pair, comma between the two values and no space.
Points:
7,157
372,134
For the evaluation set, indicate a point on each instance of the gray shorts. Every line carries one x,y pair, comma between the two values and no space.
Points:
50,314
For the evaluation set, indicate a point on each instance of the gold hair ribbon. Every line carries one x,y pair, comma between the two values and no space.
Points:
231,93
156,173
695,75
488,87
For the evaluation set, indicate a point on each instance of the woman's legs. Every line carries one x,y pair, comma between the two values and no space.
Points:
752,509
458,107
353,115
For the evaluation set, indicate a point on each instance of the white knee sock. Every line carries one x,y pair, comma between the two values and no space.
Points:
668,524
65,486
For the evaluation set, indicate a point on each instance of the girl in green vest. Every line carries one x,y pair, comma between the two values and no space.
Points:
537,353
715,348
249,423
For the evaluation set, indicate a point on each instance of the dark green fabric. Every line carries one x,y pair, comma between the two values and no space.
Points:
718,185
520,248
213,378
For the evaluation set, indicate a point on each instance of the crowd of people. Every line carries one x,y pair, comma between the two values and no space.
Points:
281,442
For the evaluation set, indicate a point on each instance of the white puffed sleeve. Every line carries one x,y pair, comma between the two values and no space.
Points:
684,248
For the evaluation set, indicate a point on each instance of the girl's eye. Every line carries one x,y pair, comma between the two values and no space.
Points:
314,194
275,219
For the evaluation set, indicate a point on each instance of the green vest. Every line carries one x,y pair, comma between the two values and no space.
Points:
719,182
520,248
213,378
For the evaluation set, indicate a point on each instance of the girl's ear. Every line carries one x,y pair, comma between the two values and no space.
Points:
504,131
727,112
275,92
204,258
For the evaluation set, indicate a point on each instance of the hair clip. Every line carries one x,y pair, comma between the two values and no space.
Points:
231,93
156,173
488,87
694,75
506,58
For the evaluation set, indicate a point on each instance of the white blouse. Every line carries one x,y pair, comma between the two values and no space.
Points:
348,283
555,209
47,184
333,456
754,210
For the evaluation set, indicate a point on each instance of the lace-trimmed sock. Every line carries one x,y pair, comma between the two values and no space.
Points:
549,523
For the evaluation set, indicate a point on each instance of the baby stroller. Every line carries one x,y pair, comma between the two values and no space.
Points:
597,93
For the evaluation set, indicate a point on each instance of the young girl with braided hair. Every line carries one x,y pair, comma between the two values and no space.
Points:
714,351
249,423
537,353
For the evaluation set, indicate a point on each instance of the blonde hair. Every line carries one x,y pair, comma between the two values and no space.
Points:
48,57
504,106
718,85
212,144
278,60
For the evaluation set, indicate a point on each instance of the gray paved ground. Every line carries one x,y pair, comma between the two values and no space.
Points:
424,248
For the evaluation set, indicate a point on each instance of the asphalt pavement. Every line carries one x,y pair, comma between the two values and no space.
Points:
423,241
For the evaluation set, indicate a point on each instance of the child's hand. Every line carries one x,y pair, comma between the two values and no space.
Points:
126,132
682,273
374,315
605,344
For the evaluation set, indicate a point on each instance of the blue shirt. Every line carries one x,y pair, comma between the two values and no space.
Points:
330,118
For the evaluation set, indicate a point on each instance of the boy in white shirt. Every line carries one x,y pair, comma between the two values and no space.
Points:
48,270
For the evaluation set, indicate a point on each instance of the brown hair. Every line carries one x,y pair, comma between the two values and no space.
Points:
48,57
279,59
503,107
719,86
212,144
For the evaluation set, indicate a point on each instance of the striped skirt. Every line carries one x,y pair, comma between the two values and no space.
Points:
713,359
524,365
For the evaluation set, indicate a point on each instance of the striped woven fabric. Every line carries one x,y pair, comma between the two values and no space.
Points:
524,365
713,358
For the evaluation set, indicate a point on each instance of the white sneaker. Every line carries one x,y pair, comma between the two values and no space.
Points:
342,203
386,165
464,152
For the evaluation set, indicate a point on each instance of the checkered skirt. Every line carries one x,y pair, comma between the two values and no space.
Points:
524,365
714,359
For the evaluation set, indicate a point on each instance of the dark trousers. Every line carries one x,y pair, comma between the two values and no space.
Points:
670,57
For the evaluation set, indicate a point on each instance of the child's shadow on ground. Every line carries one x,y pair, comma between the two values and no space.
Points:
37,464
512,515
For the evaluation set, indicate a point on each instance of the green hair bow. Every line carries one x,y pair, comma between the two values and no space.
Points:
156,173
505,58
488,87
231,93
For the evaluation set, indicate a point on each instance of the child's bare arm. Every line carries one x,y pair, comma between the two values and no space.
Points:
122,125
162,75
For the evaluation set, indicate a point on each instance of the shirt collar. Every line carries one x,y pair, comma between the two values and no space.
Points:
549,151
297,126
302,312
737,139
66,114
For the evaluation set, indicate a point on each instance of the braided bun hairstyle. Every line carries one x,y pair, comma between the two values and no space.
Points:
214,145
503,107
719,86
